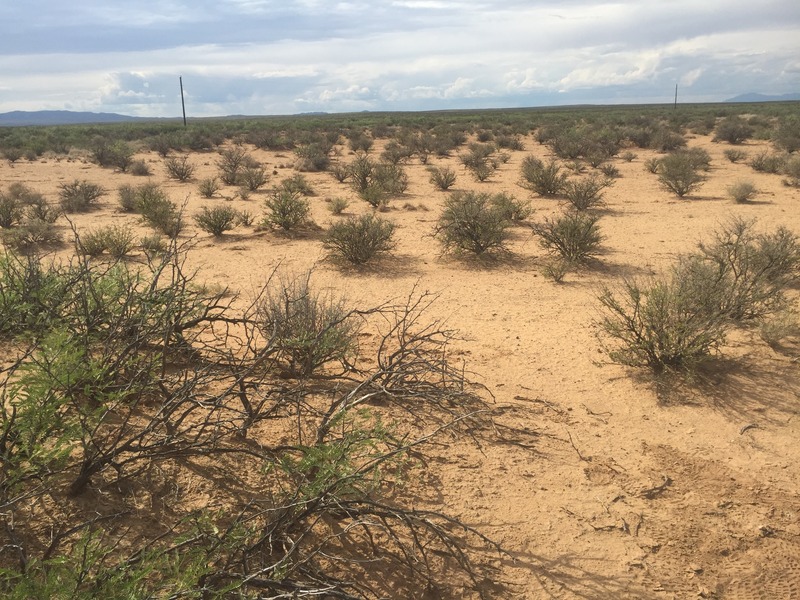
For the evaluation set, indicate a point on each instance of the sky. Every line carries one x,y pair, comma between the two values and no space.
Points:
277,57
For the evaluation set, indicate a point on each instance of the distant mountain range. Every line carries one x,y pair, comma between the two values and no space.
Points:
19,118
753,97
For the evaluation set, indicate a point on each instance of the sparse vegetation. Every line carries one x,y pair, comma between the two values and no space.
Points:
678,174
586,192
442,177
742,191
286,209
574,237
545,180
179,167
216,220
79,196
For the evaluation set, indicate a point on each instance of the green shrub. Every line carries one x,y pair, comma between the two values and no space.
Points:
742,191
231,163
665,140
764,162
30,234
359,240
140,168
651,165
313,157
510,208
338,205
11,211
585,193
391,178
118,240
153,245
127,196
628,156
657,325
286,209
79,196
734,155
208,187
610,171
678,174
12,154
297,184
472,222
179,168
253,178
158,211
787,134
340,172
545,180
792,171
217,220
733,130
574,236
308,328
442,177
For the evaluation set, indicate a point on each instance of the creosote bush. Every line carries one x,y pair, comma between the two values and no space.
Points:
734,155
676,321
79,196
208,187
473,222
179,168
286,209
216,220
742,191
586,192
543,179
678,174
358,240
573,236
308,328
442,177
117,240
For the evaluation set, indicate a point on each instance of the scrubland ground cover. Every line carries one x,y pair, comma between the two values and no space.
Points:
498,354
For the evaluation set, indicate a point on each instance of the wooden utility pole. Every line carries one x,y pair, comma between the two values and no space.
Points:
676,96
183,104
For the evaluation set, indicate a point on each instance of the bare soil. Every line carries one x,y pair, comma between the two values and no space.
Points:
599,483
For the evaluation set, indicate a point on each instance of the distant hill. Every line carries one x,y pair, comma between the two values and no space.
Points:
20,118
753,97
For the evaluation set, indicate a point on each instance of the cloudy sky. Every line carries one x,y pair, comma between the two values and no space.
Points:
286,57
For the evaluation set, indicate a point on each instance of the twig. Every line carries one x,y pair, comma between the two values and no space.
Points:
654,491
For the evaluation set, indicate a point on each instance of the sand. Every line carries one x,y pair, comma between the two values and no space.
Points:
599,485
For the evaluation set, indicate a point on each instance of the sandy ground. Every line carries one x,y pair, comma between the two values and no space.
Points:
606,488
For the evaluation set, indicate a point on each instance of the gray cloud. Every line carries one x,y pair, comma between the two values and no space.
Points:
264,56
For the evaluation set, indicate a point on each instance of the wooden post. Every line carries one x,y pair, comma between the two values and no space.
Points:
183,104
676,96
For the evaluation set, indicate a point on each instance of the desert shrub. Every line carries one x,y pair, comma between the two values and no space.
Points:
471,222
208,187
733,130
510,208
217,220
286,209
586,192
395,153
11,210
777,327
340,172
751,270
765,162
253,178
106,153
545,180
179,168
153,245
574,236
231,162
39,209
657,325
556,268
509,142
678,174
391,178
482,171
361,173
297,184
628,156
442,177
308,328
651,165
140,168
30,234
313,157
665,140
742,191
12,154
610,171
127,196
577,167
699,157
118,240
360,143
358,240
787,134
792,171
158,211
734,155
79,196
338,205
